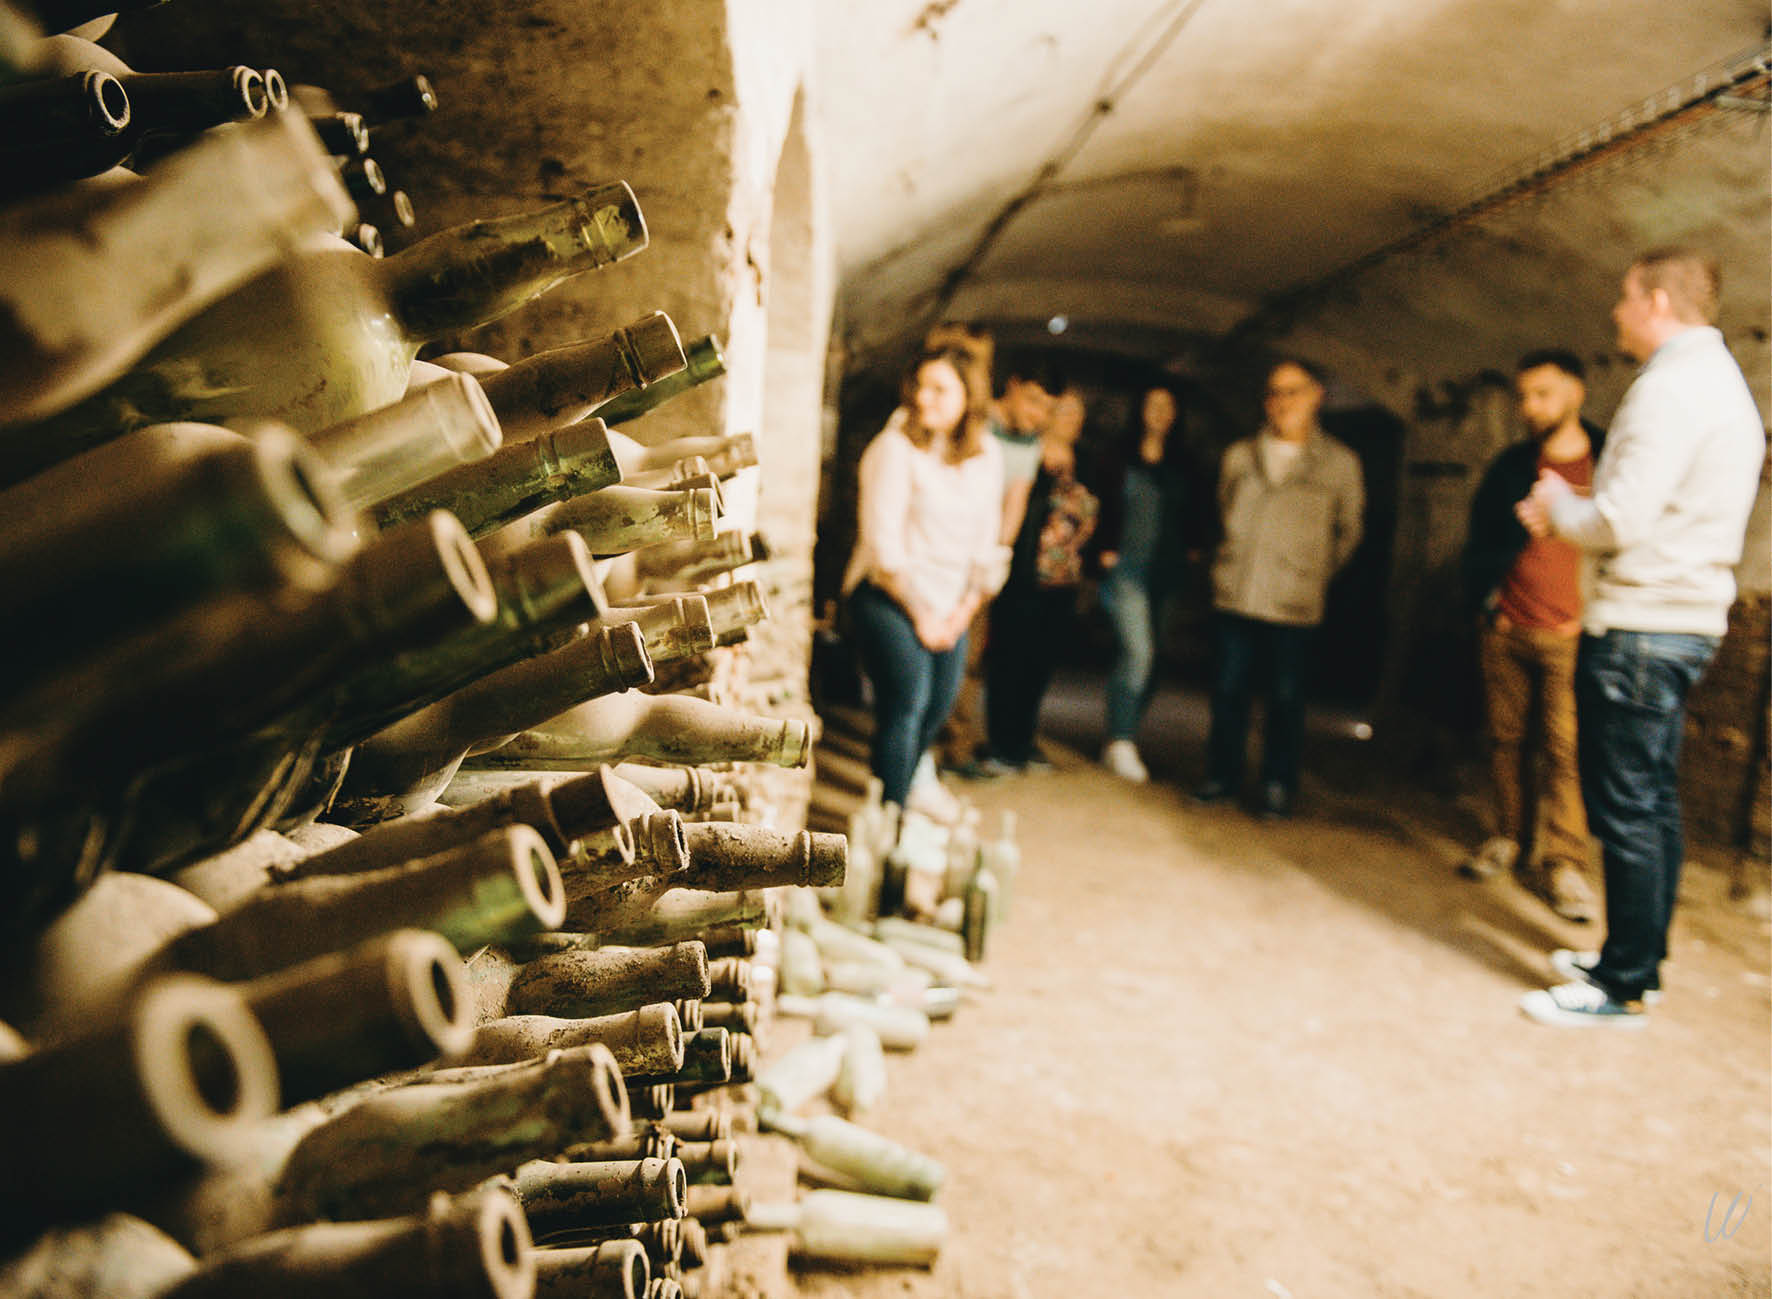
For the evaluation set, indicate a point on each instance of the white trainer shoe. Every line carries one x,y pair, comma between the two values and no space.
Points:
1121,758
1575,965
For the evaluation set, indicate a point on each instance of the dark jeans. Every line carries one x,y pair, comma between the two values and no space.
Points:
1028,625
1275,656
1630,698
914,687
1134,605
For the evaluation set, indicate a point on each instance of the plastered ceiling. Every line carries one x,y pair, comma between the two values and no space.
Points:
1167,173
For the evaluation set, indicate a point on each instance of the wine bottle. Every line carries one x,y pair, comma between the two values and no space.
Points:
648,1040
733,609
389,1152
680,914
664,1287
724,456
142,1097
405,443
733,1016
689,1012
363,178
707,1057
569,1197
730,976
580,985
610,1269
872,1163
561,809
652,1101
403,766
366,238
618,518
397,1001
518,479
343,135
156,521
676,627
542,593
702,362
476,1244
709,1163
412,96
561,386
717,1204
503,884
688,563
94,278
688,789
900,1027
114,1257
668,729
329,333
392,212
192,688
57,129
843,1226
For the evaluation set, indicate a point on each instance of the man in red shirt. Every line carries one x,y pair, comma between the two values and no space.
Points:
1528,592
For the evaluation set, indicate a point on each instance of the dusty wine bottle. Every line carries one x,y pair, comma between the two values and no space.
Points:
516,480
669,729
707,1058
681,914
691,562
178,1081
402,767
389,1152
553,389
607,981
674,628
700,1125
132,531
733,609
476,1244
403,444
392,1003
873,1163
648,1040
93,278
570,1197
721,455
702,362
57,129
846,1227
329,333
617,519
542,593
503,884
344,135
412,96
611,1269
709,1163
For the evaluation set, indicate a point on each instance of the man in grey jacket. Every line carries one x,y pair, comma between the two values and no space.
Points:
1661,533
1290,499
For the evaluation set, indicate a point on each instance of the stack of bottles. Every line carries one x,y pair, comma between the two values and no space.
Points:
375,862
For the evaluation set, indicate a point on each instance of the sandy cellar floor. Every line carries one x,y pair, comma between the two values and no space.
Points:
1224,1058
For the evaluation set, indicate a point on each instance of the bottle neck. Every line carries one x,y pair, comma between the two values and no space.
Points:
472,274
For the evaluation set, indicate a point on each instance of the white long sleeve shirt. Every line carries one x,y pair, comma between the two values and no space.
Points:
1663,529
931,523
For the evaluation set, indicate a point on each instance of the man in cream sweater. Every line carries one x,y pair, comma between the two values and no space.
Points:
1661,535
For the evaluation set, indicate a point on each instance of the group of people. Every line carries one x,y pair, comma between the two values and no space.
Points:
1599,565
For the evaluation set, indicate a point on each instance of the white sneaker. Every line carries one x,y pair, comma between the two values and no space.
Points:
1575,965
1121,758
1582,1005
930,797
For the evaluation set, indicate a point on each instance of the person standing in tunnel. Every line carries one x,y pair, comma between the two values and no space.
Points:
926,556
1662,532
1149,527
1527,596
1032,616
1290,500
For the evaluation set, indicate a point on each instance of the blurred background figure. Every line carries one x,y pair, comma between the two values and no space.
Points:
1146,532
1291,500
926,557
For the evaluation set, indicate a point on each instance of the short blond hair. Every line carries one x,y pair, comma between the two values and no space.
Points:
1688,276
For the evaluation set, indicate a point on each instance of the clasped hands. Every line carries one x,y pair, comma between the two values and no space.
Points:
1534,509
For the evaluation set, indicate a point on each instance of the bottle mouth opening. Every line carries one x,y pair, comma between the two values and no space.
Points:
109,101
276,90
250,86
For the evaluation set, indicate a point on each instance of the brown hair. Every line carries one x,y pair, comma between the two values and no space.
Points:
969,436
974,340
1688,276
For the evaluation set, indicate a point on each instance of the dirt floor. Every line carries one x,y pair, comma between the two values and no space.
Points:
1227,1058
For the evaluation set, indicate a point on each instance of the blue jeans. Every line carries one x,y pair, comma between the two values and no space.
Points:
1132,607
914,687
1280,655
1630,698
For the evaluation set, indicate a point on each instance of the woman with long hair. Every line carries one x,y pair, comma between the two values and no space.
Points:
1145,533
926,554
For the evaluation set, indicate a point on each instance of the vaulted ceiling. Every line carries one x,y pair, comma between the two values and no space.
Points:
1164,174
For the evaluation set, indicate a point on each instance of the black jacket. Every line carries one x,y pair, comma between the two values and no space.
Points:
1496,536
